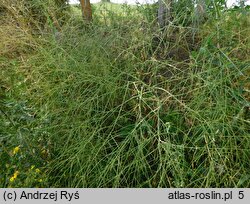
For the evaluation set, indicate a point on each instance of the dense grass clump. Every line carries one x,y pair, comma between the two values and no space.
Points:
120,103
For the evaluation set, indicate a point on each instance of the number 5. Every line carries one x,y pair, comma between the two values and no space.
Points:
241,195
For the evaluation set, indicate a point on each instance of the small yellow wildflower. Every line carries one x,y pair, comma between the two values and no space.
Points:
40,180
37,170
16,150
13,178
15,174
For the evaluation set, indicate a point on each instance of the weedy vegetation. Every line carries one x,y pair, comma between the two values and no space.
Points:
121,102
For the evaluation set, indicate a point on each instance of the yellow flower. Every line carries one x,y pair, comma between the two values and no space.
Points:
16,150
37,170
40,180
15,174
13,178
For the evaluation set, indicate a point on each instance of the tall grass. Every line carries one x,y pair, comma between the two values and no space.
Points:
117,109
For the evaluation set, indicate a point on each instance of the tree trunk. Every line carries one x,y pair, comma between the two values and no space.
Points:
201,11
242,3
164,12
86,10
